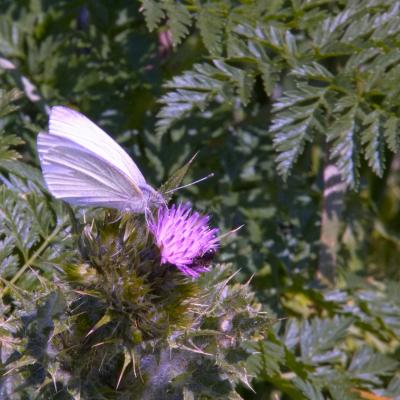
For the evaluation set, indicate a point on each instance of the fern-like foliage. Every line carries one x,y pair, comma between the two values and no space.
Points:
198,88
31,229
297,119
316,352
29,226
310,67
8,141
178,18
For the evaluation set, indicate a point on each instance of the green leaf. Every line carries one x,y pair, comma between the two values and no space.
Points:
312,71
6,101
373,141
310,391
153,13
177,104
31,226
340,386
266,357
210,22
265,65
394,387
195,89
294,121
319,339
6,142
242,79
392,135
367,365
179,20
189,91
345,147
21,177
331,28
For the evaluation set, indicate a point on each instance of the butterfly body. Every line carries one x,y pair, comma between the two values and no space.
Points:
152,197
84,166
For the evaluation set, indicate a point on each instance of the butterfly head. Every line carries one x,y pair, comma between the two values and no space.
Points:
152,197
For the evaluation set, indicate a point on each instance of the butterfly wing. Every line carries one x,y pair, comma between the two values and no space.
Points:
72,125
81,177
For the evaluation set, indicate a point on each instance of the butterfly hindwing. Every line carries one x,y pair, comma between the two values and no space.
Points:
76,175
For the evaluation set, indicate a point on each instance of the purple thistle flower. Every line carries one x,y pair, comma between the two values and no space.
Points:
183,238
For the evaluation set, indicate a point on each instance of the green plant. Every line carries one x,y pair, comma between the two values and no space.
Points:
300,90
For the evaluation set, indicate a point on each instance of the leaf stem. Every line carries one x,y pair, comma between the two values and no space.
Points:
37,253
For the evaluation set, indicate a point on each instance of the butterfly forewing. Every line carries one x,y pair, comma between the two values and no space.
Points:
82,165
70,124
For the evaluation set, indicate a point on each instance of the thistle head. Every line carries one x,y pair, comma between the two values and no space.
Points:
184,238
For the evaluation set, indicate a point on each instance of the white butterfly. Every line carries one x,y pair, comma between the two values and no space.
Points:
82,165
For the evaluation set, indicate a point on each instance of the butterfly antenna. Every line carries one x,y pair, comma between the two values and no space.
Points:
191,183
